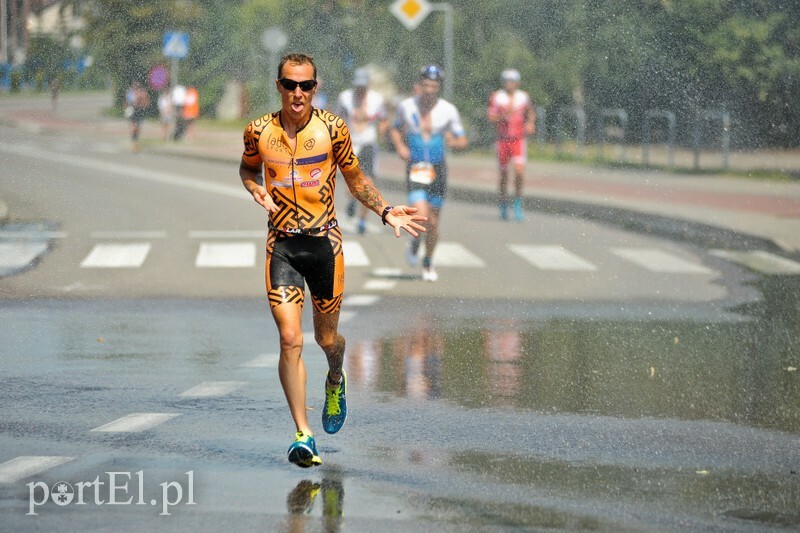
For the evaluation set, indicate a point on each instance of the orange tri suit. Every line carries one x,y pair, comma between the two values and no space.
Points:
304,243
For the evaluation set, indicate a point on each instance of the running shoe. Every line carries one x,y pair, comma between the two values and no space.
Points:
303,451
351,209
503,211
411,254
334,412
519,216
362,226
301,499
428,272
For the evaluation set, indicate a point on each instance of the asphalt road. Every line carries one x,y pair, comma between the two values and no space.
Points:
562,374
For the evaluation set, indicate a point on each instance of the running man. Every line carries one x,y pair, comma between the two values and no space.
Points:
289,166
425,125
512,111
365,114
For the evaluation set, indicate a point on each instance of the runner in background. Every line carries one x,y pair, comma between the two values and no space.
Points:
512,111
364,112
424,128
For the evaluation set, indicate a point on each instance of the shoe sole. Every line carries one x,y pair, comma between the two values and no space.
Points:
303,457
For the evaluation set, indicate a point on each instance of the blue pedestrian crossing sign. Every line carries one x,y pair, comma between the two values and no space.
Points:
176,44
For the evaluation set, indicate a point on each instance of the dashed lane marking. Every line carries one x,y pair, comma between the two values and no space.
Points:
135,422
224,234
128,235
760,261
210,389
19,254
454,254
266,360
226,255
354,254
117,255
360,300
29,465
659,261
380,285
551,257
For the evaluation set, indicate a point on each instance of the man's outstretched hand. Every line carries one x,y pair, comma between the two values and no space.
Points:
404,217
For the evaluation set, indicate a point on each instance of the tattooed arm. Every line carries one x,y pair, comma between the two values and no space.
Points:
399,217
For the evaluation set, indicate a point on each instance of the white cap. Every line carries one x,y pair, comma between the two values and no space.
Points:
510,74
361,77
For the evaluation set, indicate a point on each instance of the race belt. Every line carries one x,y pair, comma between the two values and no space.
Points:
306,231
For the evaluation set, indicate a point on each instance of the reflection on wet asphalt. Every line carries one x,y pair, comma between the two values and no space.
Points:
509,415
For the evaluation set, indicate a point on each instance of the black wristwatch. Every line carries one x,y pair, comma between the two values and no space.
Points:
385,212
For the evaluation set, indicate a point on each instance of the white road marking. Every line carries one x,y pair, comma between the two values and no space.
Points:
760,261
20,254
117,255
107,169
223,234
266,360
135,422
453,254
346,316
380,285
354,254
387,272
208,389
226,255
659,261
128,235
29,465
360,300
32,235
551,257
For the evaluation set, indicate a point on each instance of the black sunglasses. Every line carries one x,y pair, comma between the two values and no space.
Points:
291,85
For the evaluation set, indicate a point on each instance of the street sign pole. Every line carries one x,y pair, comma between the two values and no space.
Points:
412,12
449,73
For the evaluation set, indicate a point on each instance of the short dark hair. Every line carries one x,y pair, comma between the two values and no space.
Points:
298,59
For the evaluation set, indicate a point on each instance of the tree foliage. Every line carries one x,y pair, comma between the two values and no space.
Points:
680,55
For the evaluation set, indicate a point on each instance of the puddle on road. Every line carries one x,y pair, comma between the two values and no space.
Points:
741,371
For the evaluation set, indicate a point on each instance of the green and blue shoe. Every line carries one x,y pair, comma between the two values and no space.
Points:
335,411
303,451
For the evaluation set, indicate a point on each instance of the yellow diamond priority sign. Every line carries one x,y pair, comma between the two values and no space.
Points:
411,12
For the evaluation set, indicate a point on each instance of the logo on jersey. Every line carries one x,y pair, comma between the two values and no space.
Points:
315,173
309,144
312,183
277,144
272,173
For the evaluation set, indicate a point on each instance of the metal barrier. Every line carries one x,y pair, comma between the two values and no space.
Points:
671,128
622,116
725,118
580,123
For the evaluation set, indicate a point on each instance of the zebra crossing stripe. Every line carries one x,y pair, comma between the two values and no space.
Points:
360,300
659,261
380,285
354,254
29,465
131,255
760,261
135,422
209,389
20,254
226,255
551,257
454,254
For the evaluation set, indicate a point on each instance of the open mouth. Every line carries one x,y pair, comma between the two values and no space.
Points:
297,106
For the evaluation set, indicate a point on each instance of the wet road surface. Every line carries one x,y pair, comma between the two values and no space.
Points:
486,418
